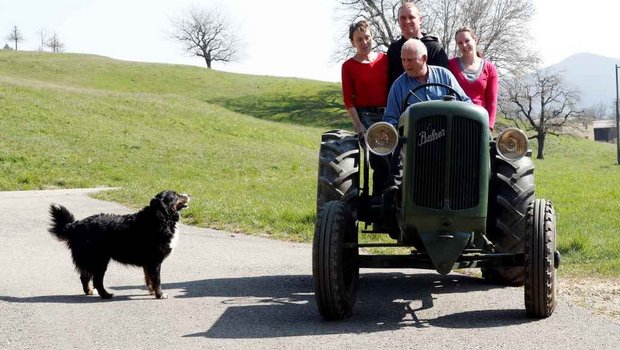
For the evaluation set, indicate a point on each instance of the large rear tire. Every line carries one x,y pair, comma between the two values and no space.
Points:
511,191
335,266
540,267
338,177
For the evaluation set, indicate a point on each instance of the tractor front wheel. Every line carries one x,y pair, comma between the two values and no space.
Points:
540,264
335,266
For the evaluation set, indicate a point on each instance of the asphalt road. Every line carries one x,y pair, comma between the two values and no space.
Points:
235,291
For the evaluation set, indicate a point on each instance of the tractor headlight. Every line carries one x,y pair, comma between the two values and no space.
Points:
381,138
512,144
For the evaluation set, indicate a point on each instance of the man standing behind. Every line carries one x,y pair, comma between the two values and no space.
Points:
418,72
409,19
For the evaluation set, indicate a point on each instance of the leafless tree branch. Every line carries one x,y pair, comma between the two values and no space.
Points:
54,43
207,34
543,100
501,26
15,36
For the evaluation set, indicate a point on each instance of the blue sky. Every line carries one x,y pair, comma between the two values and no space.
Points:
283,37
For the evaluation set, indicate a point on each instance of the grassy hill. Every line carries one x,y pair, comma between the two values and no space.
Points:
245,147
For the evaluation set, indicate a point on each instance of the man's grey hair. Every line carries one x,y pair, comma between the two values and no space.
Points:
415,45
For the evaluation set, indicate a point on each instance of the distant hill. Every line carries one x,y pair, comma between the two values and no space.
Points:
592,74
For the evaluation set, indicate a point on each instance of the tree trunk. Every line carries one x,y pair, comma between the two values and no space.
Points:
208,61
541,145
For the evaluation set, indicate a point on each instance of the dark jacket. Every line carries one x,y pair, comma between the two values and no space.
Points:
436,55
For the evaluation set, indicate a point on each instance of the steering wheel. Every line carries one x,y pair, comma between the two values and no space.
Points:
423,86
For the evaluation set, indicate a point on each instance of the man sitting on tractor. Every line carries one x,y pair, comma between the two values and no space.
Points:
414,57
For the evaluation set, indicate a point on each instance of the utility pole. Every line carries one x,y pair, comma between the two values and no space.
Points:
617,118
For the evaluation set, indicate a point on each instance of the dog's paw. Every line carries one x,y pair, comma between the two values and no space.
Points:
106,296
161,296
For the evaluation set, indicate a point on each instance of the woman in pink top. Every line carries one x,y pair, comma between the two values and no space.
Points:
477,76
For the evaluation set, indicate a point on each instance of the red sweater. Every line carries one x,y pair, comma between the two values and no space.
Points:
365,84
482,91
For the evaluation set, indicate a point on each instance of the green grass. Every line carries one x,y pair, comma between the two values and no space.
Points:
245,147
582,179
83,121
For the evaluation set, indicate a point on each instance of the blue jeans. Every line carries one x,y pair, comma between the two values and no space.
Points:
370,115
381,178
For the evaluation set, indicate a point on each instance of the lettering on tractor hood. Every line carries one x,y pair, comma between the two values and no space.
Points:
424,137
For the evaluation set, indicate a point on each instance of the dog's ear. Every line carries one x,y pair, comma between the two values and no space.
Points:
157,203
165,204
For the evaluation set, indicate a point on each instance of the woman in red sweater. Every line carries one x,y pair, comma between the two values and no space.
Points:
477,76
364,79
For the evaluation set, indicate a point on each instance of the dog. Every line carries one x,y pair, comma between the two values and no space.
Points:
143,239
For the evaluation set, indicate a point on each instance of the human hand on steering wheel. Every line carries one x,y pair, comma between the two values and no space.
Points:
424,86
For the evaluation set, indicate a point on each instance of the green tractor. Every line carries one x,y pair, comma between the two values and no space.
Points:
460,200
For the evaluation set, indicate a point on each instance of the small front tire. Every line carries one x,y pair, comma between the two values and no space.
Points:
335,266
540,260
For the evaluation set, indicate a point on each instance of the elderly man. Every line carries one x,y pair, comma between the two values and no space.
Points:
417,72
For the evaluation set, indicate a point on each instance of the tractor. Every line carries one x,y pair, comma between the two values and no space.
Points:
460,199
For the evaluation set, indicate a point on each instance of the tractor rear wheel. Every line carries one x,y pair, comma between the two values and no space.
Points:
335,266
540,265
511,191
338,177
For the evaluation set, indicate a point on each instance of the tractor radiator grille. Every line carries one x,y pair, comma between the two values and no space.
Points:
465,164
430,166
446,166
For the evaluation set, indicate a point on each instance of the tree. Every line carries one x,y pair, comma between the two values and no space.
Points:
15,36
501,25
6,47
207,34
601,110
382,16
54,43
541,103
43,38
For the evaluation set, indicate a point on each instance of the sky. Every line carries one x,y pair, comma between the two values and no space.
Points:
290,38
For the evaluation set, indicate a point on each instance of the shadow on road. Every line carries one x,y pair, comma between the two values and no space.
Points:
281,306
67,299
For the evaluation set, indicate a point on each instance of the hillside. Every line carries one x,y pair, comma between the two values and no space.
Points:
245,147
228,139
301,101
593,75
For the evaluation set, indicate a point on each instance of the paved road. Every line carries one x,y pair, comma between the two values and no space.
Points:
235,291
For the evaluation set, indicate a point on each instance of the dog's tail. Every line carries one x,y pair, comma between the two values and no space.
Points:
61,217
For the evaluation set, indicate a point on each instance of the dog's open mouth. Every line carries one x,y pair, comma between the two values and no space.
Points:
182,202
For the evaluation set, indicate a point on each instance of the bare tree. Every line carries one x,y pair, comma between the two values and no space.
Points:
43,37
601,110
382,16
207,34
54,43
15,36
501,25
541,103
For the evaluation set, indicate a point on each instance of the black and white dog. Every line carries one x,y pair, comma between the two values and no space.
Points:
143,239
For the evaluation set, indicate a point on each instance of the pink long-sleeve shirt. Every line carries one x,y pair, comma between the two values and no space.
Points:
482,91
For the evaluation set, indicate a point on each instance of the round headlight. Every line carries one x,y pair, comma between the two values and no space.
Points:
381,138
512,144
